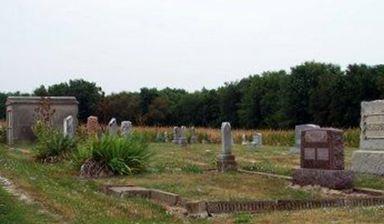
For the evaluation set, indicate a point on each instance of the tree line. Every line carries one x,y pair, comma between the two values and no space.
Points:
311,92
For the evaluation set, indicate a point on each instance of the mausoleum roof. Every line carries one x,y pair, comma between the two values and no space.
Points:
37,99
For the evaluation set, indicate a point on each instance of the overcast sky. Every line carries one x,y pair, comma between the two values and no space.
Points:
126,45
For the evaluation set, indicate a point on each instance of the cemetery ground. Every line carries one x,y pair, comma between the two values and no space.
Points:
60,196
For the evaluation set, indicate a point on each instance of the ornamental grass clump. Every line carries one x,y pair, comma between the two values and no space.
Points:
51,144
116,155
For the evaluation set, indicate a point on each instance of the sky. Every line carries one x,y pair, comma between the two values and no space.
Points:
124,45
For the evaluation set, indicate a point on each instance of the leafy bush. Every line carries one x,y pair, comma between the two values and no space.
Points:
122,155
51,144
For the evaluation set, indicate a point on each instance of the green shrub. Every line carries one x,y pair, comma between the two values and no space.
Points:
123,155
51,144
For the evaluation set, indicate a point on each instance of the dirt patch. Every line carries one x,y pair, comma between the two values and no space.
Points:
10,188
24,197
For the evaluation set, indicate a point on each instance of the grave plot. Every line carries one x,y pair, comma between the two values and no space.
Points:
234,191
216,186
79,200
225,189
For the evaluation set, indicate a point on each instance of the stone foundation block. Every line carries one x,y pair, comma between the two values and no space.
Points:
226,163
129,191
165,197
197,209
364,161
334,179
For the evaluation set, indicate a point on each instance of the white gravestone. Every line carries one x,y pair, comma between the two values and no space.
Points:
113,127
159,137
298,129
226,139
226,161
176,135
69,127
257,140
193,136
126,128
166,137
244,140
182,136
370,156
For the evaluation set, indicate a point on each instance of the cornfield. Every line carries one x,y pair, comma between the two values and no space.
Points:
270,137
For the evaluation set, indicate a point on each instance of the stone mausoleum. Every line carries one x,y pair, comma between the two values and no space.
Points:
21,114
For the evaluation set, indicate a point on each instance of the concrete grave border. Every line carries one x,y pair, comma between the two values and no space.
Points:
207,208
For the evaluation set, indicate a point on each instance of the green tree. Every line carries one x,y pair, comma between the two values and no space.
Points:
307,95
229,102
360,83
158,111
122,106
261,104
87,93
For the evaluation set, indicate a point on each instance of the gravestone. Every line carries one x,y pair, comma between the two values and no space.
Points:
226,161
193,136
69,127
370,156
298,130
126,128
159,137
93,126
113,127
182,137
244,140
257,140
166,139
322,160
176,135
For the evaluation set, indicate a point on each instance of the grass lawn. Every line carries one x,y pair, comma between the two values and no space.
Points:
186,171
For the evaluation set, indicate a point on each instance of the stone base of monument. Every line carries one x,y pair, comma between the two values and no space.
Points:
182,142
334,179
226,163
365,161
294,150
